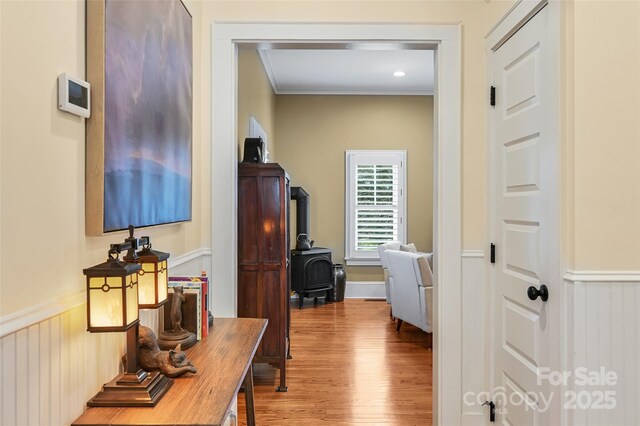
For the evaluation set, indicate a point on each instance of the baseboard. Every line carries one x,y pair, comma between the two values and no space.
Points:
43,311
365,290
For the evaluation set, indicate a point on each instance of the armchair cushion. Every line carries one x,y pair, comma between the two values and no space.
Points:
382,248
411,248
426,275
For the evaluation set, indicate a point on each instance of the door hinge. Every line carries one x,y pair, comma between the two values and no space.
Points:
492,96
493,253
492,410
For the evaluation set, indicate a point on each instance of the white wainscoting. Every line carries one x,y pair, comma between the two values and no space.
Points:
50,369
602,325
473,335
50,364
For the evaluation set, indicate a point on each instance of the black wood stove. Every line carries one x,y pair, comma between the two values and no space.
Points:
312,273
311,269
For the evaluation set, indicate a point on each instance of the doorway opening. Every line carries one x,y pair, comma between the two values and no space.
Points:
445,41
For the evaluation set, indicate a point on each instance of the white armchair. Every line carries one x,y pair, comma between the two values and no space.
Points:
412,288
382,250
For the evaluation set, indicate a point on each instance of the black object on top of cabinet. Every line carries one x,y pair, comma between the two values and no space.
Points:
253,150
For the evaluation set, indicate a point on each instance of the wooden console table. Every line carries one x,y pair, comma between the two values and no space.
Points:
223,360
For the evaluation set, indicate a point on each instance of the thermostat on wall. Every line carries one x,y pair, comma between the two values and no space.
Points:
74,95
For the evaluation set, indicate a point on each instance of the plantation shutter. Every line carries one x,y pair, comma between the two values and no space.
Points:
375,201
377,196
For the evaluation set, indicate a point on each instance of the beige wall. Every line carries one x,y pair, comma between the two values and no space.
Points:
313,134
44,247
603,137
255,98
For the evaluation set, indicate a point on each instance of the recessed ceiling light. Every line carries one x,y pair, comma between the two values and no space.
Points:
399,74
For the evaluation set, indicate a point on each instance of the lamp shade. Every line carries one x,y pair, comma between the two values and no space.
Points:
152,280
112,295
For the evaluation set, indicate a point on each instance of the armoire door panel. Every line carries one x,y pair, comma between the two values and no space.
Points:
271,309
272,211
248,220
247,293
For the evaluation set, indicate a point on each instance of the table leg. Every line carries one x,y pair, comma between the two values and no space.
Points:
248,396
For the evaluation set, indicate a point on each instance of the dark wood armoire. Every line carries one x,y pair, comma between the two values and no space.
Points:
263,257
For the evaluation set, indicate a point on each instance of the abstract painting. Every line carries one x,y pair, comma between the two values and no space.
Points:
146,120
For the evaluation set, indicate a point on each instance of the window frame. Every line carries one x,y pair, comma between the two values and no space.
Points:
353,158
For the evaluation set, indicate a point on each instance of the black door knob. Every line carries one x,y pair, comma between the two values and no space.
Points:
534,293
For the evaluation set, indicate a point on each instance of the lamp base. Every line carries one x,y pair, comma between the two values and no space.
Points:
139,389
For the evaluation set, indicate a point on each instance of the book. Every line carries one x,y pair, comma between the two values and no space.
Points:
199,282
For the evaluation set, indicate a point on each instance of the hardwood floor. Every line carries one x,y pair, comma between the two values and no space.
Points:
349,367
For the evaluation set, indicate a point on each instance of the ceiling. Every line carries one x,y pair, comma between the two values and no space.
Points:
348,71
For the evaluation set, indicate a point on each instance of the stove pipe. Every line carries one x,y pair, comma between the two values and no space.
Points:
302,209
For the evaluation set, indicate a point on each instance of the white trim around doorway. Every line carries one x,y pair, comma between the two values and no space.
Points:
447,376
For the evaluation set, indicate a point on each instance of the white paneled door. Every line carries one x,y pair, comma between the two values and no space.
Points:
524,227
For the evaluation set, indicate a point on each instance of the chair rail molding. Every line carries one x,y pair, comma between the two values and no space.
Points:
189,263
472,253
602,276
189,257
24,318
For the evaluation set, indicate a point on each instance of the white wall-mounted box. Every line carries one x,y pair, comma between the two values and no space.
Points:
74,95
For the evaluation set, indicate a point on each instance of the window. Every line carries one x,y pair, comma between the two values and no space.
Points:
375,203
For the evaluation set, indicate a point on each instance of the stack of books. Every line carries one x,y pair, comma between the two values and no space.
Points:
196,313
